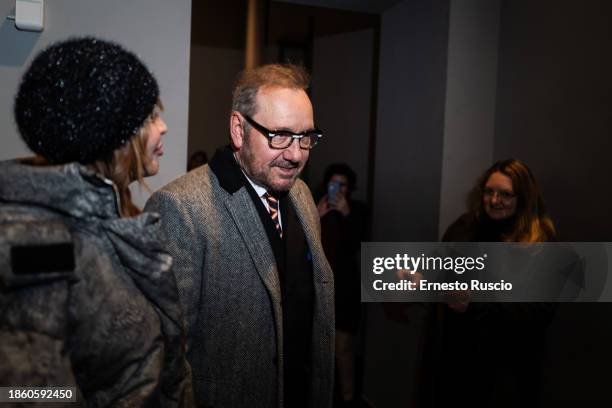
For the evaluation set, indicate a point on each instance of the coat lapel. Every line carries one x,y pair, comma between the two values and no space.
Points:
244,214
309,225
323,318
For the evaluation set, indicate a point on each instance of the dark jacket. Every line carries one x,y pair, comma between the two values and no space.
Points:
87,298
341,237
489,355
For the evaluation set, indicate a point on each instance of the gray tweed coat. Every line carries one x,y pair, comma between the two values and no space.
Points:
229,288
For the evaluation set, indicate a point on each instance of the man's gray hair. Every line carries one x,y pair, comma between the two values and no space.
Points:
250,81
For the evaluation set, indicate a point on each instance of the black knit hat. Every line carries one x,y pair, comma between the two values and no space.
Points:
83,98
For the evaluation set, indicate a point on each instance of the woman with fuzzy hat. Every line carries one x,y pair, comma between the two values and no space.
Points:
87,294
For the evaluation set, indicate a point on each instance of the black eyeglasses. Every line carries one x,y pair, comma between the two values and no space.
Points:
504,195
281,139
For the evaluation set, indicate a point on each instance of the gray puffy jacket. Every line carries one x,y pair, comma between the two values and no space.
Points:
87,299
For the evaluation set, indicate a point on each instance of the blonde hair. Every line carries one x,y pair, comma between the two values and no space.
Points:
127,164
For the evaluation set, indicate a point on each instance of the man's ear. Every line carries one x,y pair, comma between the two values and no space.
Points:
236,130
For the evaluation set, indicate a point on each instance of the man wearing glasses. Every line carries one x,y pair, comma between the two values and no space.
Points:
254,283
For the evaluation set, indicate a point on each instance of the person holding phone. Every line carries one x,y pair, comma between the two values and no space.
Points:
337,193
343,227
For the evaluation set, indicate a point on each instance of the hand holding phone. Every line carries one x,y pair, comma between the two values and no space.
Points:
333,190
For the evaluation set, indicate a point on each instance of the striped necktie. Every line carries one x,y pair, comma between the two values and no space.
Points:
273,208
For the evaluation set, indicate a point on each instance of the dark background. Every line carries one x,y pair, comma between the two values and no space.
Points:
420,117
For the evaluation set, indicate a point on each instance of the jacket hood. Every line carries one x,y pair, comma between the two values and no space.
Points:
70,189
87,202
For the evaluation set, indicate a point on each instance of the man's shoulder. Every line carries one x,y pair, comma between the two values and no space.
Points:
300,187
302,199
300,194
194,192
196,178
192,184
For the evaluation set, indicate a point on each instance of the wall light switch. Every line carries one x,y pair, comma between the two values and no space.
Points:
30,15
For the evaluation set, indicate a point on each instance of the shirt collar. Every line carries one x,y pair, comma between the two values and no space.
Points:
261,191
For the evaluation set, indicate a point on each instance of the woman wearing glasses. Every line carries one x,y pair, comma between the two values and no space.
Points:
505,205
490,354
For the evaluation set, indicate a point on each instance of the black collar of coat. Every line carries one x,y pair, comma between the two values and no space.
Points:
228,172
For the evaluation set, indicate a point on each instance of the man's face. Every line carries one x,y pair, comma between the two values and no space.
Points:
277,109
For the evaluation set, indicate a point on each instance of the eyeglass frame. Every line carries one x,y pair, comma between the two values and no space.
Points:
270,134
504,195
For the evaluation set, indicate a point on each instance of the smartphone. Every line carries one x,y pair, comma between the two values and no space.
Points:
333,189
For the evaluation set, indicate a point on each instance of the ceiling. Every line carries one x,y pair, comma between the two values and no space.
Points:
367,6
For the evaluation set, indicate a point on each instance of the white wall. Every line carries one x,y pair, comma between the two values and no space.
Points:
157,30
469,118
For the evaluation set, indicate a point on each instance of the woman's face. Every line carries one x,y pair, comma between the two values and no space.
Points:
154,130
498,197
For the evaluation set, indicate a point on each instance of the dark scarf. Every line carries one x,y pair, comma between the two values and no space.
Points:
489,230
